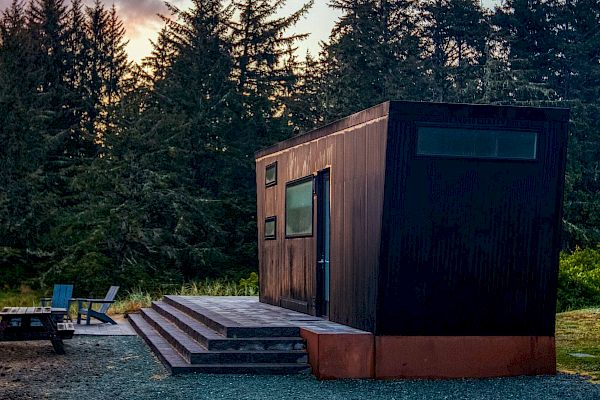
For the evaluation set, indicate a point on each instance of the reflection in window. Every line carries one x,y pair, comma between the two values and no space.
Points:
477,143
271,174
271,228
299,208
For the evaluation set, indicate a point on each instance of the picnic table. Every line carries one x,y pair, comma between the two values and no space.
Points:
35,323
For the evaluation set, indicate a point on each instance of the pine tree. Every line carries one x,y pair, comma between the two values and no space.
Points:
165,153
552,53
373,55
306,100
265,67
163,53
22,150
47,21
117,65
96,52
106,66
577,81
454,42
528,41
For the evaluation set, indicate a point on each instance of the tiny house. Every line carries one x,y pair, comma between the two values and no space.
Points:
435,227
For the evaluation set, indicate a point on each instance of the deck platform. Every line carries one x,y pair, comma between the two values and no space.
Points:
241,335
236,314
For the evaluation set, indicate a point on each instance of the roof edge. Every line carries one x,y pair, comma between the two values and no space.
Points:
377,111
473,109
415,108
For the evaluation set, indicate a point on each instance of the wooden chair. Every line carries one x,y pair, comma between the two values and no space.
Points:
61,298
100,313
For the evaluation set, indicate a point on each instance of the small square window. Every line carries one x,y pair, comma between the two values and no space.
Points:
271,228
271,174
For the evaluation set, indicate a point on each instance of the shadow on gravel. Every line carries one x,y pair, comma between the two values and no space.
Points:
124,368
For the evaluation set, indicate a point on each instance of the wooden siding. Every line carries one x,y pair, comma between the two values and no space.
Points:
354,151
470,246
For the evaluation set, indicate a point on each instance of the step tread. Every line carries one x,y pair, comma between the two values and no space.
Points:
183,339
207,332
227,326
191,322
254,369
196,348
167,353
176,364
220,323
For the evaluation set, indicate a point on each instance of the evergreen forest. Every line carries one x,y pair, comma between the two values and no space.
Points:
143,173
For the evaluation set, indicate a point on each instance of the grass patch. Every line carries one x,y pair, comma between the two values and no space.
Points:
135,299
23,298
26,297
579,332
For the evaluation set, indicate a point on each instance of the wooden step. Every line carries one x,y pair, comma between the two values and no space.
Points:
184,344
215,341
163,350
226,326
176,364
194,353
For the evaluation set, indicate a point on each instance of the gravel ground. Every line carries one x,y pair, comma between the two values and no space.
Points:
124,368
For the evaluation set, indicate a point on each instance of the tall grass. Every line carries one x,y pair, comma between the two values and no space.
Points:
25,297
135,299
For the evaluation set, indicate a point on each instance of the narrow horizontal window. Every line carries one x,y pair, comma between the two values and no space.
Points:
299,208
271,174
271,228
477,143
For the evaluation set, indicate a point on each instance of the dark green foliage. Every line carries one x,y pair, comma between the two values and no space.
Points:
44,66
455,35
169,194
250,284
579,279
373,55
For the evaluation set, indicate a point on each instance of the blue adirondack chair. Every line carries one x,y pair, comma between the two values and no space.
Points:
100,313
61,298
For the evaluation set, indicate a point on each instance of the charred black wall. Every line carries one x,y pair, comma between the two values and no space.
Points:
470,246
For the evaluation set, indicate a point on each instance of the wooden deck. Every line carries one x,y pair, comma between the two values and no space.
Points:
232,335
238,313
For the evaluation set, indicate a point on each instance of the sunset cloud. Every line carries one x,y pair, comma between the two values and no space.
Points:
142,23
136,13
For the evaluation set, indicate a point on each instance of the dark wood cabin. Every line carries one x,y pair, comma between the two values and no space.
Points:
417,219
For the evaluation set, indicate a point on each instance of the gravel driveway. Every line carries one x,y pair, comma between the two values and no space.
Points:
122,367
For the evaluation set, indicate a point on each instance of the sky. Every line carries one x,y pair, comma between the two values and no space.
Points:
142,22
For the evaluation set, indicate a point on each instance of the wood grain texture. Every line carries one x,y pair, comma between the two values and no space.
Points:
355,157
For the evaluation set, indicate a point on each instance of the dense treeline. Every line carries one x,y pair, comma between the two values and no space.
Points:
138,174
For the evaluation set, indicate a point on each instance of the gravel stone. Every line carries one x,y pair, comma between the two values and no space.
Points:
122,367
